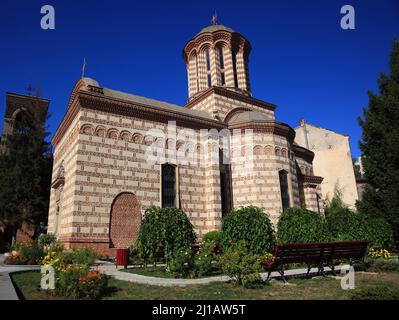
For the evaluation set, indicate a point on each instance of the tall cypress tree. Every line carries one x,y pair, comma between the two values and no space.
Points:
25,174
380,147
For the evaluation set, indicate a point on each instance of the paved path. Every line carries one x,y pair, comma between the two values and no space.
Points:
7,290
110,269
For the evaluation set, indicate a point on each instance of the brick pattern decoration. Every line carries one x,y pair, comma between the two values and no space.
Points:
125,220
226,107
232,44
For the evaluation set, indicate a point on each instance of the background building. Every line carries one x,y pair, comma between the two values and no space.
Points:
16,106
332,160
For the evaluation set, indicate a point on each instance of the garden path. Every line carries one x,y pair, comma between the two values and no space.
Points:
110,269
7,290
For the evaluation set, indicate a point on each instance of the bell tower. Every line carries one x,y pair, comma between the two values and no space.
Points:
217,57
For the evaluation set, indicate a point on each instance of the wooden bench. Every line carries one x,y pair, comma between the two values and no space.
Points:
316,254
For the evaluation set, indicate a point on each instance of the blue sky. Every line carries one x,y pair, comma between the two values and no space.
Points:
301,59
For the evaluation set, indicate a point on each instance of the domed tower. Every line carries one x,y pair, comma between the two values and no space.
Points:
217,57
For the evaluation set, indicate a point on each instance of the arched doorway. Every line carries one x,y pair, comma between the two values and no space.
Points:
125,220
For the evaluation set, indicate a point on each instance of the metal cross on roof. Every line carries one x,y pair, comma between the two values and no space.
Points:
215,19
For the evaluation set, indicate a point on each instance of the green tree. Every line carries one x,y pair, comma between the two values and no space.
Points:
356,169
169,228
25,174
298,225
251,225
380,148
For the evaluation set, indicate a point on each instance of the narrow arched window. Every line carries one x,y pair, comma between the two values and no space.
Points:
221,60
221,64
235,70
168,185
285,197
208,67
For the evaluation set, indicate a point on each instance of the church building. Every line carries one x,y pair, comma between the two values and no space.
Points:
105,177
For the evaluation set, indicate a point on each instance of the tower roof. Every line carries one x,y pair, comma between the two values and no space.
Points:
214,28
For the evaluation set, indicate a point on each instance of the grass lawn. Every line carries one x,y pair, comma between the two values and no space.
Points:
309,289
160,272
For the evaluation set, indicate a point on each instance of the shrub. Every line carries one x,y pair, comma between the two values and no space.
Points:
214,237
252,281
238,262
25,252
380,233
67,279
74,279
92,285
203,262
166,227
382,265
181,262
376,293
349,225
46,239
301,225
84,255
345,224
251,225
14,258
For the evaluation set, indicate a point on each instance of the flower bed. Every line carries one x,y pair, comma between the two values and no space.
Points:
73,276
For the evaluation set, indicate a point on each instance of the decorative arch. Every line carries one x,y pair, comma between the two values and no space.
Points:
269,150
179,144
125,135
87,129
235,111
137,138
125,220
17,112
223,43
192,54
204,46
277,152
100,131
284,153
148,140
257,150
113,134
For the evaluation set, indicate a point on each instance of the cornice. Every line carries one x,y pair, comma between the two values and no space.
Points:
232,95
272,127
303,153
96,101
312,180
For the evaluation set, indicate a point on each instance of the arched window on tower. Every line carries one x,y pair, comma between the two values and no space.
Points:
168,185
285,197
208,67
221,65
235,69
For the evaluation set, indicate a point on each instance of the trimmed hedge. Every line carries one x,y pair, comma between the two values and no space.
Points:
301,225
252,225
214,237
166,227
348,225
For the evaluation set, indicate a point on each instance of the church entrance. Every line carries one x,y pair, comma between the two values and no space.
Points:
125,220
